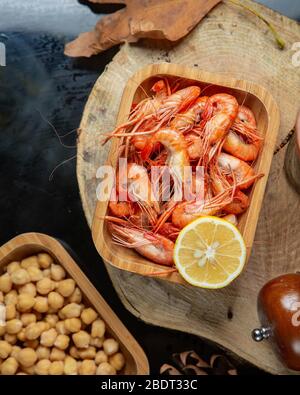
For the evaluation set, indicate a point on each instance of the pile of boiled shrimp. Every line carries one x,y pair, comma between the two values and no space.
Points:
178,126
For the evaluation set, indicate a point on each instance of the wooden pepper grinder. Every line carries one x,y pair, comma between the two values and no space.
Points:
279,313
292,158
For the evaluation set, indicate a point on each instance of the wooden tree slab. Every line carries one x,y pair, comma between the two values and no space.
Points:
232,41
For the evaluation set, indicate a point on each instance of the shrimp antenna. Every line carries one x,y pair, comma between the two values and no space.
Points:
59,165
56,132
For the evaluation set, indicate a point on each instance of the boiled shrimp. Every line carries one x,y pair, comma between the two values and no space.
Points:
244,174
143,111
177,159
186,120
243,140
220,112
240,201
152,246
140,190
186,212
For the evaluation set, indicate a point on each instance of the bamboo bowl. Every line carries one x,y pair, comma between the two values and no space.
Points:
32,243
266,111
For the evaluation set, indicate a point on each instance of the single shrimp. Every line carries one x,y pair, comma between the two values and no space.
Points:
219,114
143,111
176,103
186,212
244,127
240,201
139,190
152,246
175,144
244,174
185,121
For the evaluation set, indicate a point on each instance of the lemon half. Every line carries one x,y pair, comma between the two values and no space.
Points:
210,252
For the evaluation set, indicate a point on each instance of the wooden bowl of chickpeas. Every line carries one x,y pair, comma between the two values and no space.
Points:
52,319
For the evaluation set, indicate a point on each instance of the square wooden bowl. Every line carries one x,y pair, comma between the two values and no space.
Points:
266,111
28,244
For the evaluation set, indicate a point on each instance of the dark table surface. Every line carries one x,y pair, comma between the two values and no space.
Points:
40,86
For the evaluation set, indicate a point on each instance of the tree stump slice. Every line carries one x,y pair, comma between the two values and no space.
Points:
231,41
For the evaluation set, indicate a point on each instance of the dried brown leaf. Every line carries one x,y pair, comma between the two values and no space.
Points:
155,19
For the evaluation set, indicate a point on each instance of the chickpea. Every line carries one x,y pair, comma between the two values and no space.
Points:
56,368
32,344
52,320
12,266
62,342
105,369
74,352
98,328
57,272
5,349
55,300
76,296
87,368
25,302
48,337
42,352
9,367
73,324
45,286
21,335
66,287
10,312
11,297
110,346
47,273
100,357
13,326
20,277
41,304
71,310
15,351
61,328
70,367
31,261
10,338
27,357
97,341
42,367
88,315
44,260
5,283
81,339
117,361
57,355
34,330
28,318
35,273
29,289
29,370
87,353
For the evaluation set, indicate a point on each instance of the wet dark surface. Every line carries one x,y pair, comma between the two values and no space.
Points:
40,85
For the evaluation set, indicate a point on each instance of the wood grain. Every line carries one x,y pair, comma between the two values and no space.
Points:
232,42
252,95
28,244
